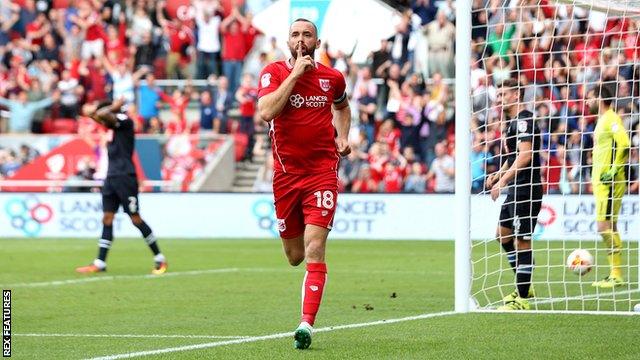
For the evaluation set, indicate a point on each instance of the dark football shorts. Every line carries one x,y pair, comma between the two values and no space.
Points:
120,190
520,211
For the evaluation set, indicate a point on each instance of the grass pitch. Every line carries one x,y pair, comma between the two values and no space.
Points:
221,291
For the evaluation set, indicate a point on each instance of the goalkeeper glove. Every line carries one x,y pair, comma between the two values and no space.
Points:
609,175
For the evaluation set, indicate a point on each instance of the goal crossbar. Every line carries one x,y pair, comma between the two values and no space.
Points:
610,7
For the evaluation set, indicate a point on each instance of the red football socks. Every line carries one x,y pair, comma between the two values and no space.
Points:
312,290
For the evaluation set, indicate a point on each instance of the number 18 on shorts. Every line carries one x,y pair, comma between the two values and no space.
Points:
304,199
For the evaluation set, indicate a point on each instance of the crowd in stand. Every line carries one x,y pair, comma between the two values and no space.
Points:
558,54
93,50
53,60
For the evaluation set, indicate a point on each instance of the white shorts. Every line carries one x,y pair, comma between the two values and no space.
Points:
92,48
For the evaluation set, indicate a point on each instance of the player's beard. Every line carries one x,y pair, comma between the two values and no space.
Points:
305,51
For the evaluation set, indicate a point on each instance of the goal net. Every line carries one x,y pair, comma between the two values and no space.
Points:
560,54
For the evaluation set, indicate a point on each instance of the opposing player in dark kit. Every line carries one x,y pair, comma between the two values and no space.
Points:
520,173
121,185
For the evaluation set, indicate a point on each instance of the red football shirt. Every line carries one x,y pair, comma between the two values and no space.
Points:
303,135
247,106
234,47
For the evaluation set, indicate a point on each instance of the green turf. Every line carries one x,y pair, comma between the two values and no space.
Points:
493,278
257,293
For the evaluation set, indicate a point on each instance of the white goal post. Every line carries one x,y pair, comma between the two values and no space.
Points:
562,94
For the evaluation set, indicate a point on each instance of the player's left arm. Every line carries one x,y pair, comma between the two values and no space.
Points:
342,122
342,117
523,160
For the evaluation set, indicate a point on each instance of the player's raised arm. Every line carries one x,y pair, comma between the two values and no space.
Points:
104,115
271,105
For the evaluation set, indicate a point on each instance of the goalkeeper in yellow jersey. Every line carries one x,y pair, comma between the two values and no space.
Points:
610,156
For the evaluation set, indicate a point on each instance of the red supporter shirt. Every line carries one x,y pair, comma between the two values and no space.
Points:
248,106
95,30
532,64
96,83
179,36
119,44
33,28
234,46
392,181
178,106
303,136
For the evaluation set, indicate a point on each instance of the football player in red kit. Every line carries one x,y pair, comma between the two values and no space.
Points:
308,111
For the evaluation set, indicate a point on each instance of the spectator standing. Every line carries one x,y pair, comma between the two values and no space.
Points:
247,96
479,157
148,99
73,42
145,52
70,90
440,34
400,43
50,50
381,60
208,47
36,30
91,24
234,29
499,41
223,99
141,24
21,111
178,102
425,9
443,170
123,79
9,16
180,39
208,112
94,79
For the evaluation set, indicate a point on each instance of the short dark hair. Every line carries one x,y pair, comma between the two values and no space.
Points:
315,28
607,92
512,84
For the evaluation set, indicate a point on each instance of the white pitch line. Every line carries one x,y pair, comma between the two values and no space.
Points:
267,337
134,336
561,312
117,277
571,298
585,297
97,278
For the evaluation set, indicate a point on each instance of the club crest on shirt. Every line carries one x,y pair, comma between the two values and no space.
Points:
325,85
265,80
